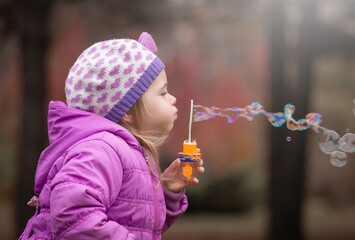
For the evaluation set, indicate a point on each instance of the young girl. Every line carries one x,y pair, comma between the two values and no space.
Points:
100,177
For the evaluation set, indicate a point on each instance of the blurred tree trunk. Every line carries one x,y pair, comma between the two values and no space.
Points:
287,159
33,32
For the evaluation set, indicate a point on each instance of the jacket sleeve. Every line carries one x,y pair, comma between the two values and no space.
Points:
83,190
176,205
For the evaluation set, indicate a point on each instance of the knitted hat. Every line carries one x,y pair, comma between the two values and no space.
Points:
110,76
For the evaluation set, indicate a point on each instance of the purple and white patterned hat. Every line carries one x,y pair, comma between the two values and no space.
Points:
110,76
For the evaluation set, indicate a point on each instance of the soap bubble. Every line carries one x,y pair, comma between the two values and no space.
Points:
338,159
328,146
288,139
347,143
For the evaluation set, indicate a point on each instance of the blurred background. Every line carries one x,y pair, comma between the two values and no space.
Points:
260,182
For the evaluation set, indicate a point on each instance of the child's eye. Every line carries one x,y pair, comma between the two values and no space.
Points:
164,93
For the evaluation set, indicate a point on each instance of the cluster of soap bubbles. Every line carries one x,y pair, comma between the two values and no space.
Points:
337,146
333,144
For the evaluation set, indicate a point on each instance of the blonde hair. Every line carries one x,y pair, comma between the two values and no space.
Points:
149,140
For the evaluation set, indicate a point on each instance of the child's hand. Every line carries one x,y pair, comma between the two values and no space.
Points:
173,179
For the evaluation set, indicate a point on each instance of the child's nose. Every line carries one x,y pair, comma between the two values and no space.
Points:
173,100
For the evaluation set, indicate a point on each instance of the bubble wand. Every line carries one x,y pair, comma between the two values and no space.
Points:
190,123
189,157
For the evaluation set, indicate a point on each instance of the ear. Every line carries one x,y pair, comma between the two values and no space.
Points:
127,118
147,41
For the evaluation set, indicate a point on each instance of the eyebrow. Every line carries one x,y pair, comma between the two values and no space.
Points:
164,85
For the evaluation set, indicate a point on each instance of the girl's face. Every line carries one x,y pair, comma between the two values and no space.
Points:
159,106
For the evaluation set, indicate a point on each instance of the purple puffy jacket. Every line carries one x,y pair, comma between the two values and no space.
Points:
93,183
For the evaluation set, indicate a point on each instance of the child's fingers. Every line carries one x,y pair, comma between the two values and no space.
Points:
195,181
198,150
192,182
176,163
201,170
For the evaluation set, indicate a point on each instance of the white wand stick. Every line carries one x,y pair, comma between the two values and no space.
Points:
191,111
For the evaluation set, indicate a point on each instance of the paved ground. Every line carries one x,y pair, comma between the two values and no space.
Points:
321,223
215,227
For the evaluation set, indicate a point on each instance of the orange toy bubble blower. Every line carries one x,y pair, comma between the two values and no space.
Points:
189,157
